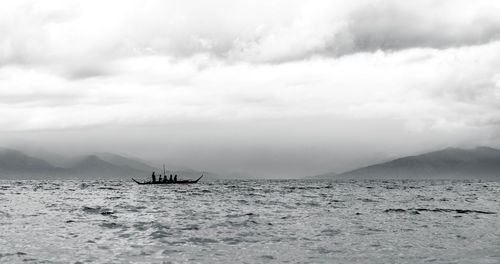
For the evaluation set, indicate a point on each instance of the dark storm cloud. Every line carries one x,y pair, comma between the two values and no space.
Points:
59,37
360,27
366,27
395,26
390,26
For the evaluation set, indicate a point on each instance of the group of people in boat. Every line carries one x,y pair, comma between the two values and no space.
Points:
164,179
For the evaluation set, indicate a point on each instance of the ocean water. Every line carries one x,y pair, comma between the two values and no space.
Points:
262,221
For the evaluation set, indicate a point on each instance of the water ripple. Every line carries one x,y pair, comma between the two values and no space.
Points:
293,221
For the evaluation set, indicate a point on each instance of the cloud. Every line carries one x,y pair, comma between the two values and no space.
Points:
70,37
426,69
336,29
393,25
429,88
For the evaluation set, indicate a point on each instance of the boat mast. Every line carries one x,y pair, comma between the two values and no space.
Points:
164,170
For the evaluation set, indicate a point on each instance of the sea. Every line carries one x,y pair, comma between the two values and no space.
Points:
250,221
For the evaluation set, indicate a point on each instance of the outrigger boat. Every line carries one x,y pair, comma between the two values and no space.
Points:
169,182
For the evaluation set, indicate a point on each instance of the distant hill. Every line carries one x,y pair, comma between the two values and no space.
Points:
15,164
125,161
323,176
450,163
93,167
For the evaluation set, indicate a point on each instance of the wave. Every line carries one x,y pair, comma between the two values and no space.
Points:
439,210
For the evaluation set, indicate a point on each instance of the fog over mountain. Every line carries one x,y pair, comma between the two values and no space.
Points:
450,163
15,164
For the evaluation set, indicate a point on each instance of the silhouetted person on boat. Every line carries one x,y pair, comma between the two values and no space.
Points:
159,178
165,178
153,177
170,180
175,178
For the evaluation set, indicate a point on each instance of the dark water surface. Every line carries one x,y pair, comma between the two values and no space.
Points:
293,221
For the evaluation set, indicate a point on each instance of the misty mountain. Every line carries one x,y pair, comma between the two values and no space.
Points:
15,164
16,161
94,167
119,160
450,163
322,176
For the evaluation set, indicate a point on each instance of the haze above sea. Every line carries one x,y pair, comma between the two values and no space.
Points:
250,221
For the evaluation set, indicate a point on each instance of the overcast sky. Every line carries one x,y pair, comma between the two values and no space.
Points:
266,88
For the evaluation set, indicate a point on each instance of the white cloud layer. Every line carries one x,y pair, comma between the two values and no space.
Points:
432,66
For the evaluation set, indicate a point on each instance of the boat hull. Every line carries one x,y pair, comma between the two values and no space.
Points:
168,182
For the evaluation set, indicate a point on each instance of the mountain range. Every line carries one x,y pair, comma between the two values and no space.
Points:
15,164
449,163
